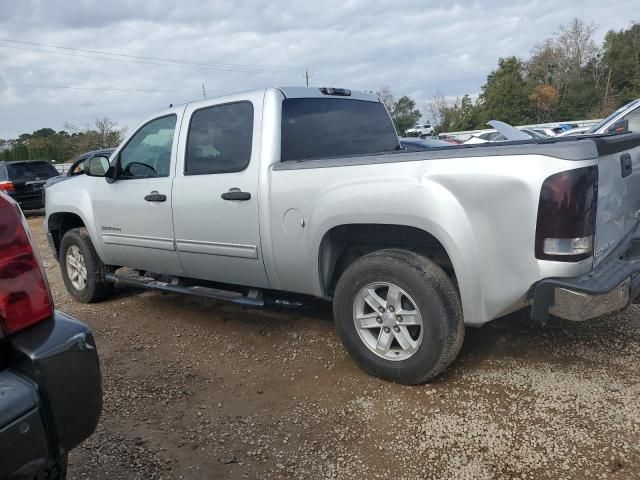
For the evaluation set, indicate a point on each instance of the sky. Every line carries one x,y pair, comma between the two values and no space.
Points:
163,52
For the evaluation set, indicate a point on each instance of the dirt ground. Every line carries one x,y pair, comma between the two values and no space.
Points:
195,389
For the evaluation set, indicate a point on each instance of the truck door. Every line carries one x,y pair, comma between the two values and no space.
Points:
133,214
215,192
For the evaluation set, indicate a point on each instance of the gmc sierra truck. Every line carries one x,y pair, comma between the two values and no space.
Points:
307,191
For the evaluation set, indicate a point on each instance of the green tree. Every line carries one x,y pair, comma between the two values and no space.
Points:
403,111
62,146
621,55
405,114
464,116
505,95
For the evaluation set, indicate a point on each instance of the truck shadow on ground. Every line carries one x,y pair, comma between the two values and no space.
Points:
514,337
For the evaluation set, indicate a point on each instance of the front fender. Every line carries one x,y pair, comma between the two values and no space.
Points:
74,196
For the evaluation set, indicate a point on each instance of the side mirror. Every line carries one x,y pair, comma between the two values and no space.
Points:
621,126
97,166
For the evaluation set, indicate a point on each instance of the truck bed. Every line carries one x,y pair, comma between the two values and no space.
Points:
565,148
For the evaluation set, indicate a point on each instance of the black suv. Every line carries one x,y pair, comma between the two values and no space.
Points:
50,383
24,181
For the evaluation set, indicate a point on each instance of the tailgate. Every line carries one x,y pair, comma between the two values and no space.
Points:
618,190
29,188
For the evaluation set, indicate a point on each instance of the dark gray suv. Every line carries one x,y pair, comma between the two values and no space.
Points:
24,181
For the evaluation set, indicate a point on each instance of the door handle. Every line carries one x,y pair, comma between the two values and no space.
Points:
155,197
236,194
626,165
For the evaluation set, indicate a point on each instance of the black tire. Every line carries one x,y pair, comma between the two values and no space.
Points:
97,288
435,296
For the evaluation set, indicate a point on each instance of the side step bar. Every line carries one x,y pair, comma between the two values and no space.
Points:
254,299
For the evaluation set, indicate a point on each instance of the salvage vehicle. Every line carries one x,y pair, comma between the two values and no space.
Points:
50,384
77,167
307,191
422,143
625,119
24,181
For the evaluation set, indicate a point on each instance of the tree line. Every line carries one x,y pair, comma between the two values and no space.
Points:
64,145
567,77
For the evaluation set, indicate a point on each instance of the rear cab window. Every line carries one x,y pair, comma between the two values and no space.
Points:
315,128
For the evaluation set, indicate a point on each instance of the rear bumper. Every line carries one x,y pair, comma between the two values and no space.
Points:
610,287
50,396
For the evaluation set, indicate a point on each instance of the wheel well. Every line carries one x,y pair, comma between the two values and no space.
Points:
61,223
344,244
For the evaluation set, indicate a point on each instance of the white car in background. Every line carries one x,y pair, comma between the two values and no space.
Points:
549,132
421,131
504,132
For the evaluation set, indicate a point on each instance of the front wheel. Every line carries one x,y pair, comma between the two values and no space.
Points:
399,316
82,270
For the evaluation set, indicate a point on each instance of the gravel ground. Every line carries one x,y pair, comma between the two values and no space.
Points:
195,389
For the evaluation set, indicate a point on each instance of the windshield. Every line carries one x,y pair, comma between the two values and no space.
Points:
602,123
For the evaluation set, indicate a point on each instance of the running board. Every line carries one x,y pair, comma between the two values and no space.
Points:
253,299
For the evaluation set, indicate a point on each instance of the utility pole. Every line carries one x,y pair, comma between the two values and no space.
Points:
204,92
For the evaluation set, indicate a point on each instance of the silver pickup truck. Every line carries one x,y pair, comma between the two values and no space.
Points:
306,191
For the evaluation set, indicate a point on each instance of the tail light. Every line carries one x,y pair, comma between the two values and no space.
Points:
567,215
7,186
24,292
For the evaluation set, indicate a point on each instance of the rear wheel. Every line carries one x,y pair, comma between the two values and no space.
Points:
82,270
399,316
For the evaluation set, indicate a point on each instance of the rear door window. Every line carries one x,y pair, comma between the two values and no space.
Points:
333,127
31,171
220,139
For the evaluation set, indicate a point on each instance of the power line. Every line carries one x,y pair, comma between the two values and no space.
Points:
148,60
135,61
73,87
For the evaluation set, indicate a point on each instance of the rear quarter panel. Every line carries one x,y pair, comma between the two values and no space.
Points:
482,210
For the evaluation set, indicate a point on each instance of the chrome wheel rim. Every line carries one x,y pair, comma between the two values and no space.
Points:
76,268
388,321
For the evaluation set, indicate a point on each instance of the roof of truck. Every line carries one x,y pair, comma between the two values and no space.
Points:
288,92
316,92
